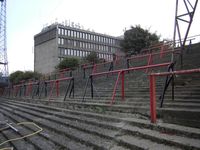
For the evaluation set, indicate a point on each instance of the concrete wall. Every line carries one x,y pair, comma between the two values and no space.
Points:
46,56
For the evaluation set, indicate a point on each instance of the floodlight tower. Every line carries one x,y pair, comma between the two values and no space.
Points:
184,14
3,42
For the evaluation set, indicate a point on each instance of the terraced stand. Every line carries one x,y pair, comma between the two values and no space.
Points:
67,129
95,124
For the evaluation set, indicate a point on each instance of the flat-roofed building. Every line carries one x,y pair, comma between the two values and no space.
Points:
57,41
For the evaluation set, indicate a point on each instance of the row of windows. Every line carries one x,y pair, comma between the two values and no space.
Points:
85,45
83,35
79,53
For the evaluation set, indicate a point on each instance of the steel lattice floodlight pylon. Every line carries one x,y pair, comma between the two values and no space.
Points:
184,14
3,41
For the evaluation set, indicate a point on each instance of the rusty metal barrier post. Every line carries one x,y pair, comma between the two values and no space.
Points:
92,87
122,85
115,88
152,99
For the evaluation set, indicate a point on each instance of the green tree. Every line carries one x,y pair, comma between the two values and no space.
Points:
92,57
138,38
31,75
70,62
18,76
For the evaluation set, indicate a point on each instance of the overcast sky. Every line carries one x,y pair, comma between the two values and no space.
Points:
25,18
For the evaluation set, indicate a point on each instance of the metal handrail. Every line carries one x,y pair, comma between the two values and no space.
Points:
120,72
70,88
169,79
153,88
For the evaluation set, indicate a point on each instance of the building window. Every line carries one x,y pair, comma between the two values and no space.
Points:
86,45
92,37
72,33
62,41
58,40
65,32
74,44
80,34
109,48
78,54
80,44
72,52
59,31
101,39
60,51
101,48
97,38
83,45
111,57
68,52
77,33
68,32
62,31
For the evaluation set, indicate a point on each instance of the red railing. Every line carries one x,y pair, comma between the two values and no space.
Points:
17,87
152,78
59,73
156,47
153,54
121,73
150,57
28,87
56,83
62,72
94,66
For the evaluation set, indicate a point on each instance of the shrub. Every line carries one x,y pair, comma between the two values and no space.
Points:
71,63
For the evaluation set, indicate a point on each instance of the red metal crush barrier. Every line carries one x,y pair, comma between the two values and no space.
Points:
150,56
56,83
115,88
59,74
122,74
153,88
28,87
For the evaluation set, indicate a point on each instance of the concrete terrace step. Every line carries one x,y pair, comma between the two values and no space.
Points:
102,144
58,138
140,102
186,115
123,133
168,103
